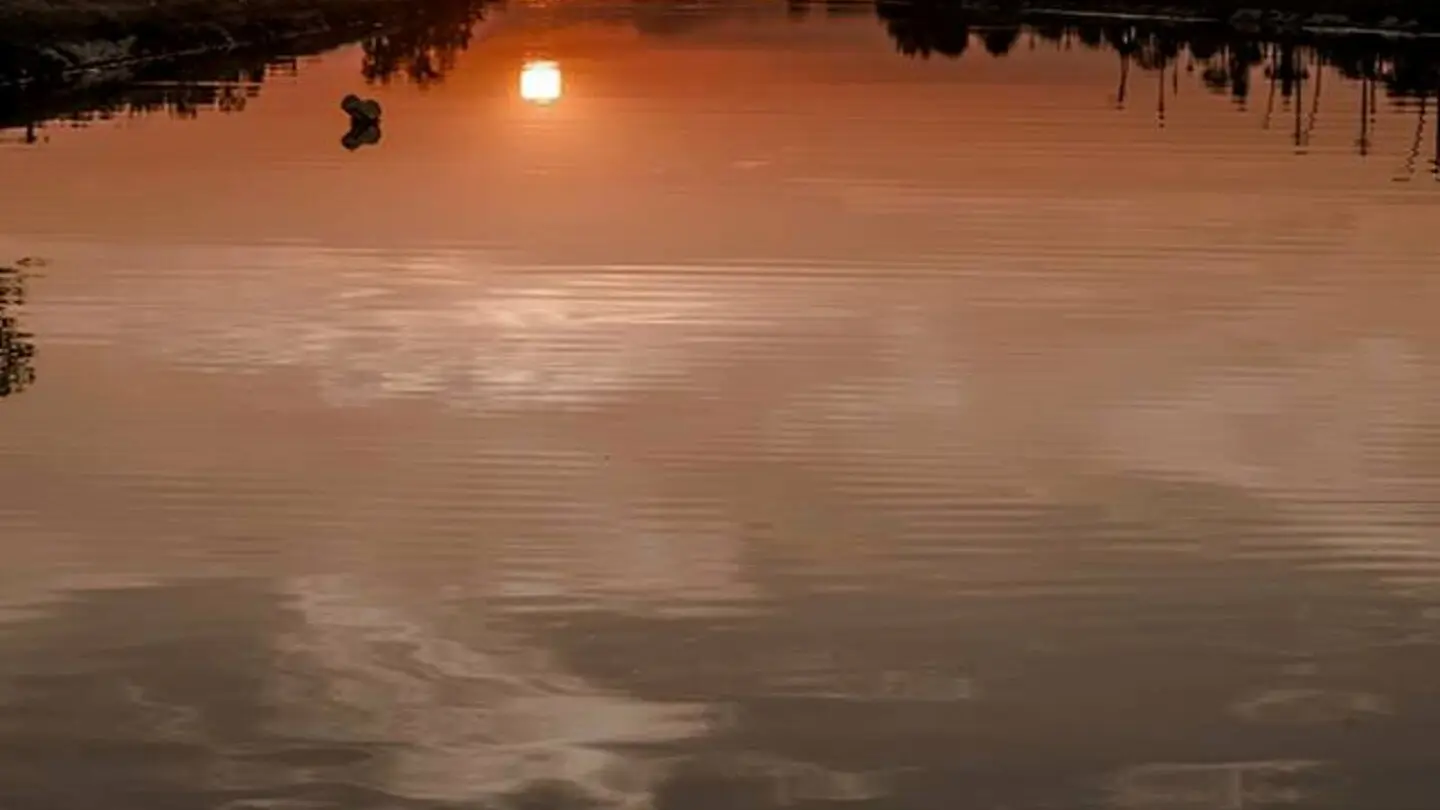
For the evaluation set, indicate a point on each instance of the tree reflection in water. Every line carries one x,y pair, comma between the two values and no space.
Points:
1227,60
922,29
423,48
420,48
17,350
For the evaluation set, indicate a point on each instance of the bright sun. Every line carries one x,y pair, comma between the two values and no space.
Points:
540,82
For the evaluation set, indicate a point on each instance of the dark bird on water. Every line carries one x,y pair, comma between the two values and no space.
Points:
362,112
364,122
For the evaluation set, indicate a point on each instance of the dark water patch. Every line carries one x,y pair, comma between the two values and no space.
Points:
180,695
1036,697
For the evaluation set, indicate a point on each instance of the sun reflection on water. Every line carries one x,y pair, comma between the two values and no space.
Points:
540,82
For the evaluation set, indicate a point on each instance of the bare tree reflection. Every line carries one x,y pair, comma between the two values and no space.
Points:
225,85
999,41
17,350
1226,58
1412,156
923,27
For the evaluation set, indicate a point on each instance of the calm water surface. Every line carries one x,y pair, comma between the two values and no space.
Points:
771,420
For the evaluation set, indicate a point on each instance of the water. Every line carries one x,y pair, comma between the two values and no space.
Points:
771,420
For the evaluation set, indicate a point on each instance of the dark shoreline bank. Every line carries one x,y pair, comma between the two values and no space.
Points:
70,42
1226,52
418,42
58,41
413,42
1391,17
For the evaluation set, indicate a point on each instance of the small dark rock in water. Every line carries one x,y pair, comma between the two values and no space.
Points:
361,111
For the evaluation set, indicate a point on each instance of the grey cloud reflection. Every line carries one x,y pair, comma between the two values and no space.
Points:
311,690
461,722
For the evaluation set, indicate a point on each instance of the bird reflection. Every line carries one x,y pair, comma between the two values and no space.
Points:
361,134
17,350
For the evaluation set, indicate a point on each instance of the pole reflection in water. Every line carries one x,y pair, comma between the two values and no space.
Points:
17,350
